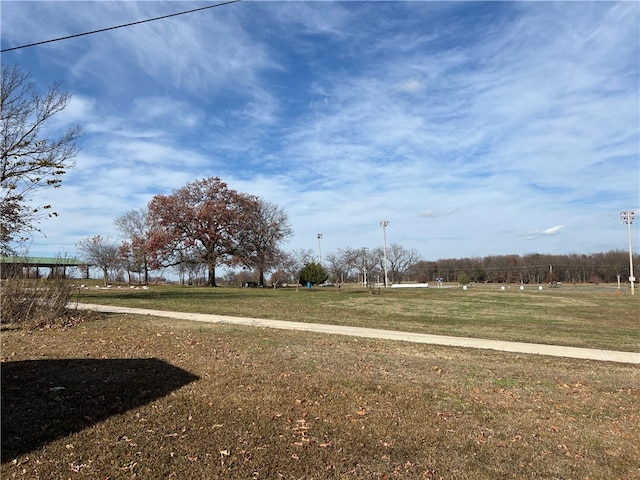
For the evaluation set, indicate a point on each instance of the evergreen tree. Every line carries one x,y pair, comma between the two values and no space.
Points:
313,273
463,278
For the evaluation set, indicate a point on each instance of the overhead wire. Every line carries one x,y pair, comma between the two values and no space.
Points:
119,26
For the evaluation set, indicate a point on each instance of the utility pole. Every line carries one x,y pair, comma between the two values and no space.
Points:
319,249
627,216
384,224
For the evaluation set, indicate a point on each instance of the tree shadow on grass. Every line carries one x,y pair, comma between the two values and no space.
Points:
43,400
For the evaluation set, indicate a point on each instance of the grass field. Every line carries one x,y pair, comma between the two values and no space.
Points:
122,396
579,316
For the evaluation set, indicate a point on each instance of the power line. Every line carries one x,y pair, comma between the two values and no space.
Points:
119,26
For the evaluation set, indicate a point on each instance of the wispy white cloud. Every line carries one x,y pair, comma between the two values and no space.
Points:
433,214
411,86
548,231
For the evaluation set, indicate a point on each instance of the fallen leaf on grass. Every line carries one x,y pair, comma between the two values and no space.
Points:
304,441
444,415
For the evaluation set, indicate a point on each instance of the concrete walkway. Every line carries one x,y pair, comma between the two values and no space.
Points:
516,347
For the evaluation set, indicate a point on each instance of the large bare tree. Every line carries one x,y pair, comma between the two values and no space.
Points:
267,226
31,156
399,260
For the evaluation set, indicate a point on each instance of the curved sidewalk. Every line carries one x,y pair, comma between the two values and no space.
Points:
516,347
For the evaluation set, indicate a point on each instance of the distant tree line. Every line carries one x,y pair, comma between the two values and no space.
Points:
532,268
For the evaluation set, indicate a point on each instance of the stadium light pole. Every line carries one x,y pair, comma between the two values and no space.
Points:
364,265
384,224
627,216
319,249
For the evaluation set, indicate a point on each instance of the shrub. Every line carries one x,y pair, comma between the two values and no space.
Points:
463,279
34,302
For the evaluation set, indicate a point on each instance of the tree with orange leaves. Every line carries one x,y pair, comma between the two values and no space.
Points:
205,219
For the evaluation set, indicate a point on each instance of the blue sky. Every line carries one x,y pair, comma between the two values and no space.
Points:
473,128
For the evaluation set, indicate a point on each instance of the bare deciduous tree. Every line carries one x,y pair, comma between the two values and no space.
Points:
100,252
266,227
31,157
291,263
135,227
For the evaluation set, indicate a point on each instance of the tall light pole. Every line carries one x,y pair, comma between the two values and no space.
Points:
384,224
319,249
364,265
627,216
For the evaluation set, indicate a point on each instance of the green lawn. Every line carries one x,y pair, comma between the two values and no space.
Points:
580,316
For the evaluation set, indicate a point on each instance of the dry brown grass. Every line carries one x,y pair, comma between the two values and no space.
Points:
579,316
152,398
35,303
